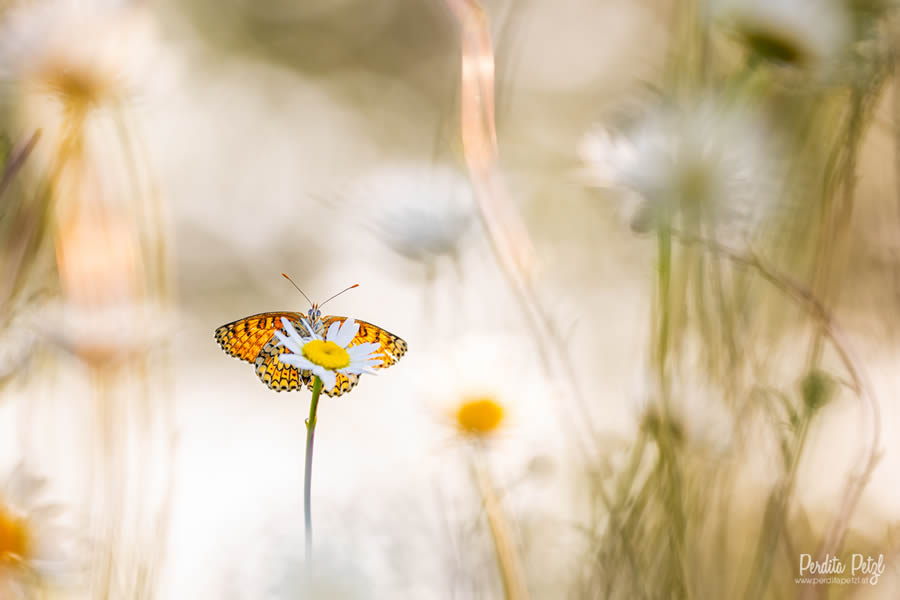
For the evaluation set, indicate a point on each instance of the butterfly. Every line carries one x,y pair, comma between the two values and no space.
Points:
253,339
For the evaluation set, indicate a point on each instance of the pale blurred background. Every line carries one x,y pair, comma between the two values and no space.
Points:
321,139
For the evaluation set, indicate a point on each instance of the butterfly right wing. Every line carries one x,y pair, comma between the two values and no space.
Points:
277,375
245,338
253,339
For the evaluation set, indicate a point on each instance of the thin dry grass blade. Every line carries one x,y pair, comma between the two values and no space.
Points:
479,137
504,224
17,160
507,557
15,254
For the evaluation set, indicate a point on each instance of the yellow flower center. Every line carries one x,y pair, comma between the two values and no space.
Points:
479,416
13,538
326,354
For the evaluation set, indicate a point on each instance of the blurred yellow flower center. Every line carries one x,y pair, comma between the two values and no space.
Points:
78,89
13,537
326,354
479,416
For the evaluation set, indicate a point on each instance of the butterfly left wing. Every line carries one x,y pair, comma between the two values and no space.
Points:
342,384
391,347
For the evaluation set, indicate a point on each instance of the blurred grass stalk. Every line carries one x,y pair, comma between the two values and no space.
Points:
505,228
508,561
111,244
19,242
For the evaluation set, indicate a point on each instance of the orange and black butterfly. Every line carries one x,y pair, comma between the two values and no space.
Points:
253,339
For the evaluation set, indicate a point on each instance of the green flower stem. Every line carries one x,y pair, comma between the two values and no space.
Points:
307,480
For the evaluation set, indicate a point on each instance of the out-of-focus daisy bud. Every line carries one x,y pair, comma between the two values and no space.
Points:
421,210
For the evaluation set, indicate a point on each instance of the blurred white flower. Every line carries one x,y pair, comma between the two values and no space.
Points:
421,210
60,59
710,161
109,335
694,414
489,387
804,33
65,46
33,546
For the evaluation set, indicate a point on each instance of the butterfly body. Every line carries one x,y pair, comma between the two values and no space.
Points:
252,339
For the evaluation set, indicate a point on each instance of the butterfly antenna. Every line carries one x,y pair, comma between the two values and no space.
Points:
285,275
355,285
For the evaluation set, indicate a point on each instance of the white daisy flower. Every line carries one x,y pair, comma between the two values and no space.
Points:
712,162
68,53
325,356
72,70
802,33
420,210
108,335
32,544
487,387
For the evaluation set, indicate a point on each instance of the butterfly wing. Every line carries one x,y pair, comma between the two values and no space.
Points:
277,375
251,339
245,338
391,348
342,384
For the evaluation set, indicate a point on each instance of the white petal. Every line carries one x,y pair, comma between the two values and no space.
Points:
370,362
22,487
357,370
362,350
294,336
333,332
46,512
50,548
373,359
295,360
287,343
346,334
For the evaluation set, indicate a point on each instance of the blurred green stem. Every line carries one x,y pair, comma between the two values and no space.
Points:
775,518
859,383
307,479
665,272
841,168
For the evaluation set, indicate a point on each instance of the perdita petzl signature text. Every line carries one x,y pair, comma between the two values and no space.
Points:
860,565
